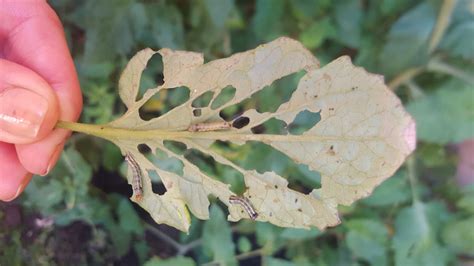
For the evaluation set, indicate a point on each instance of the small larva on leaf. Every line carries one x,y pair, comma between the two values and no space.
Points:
244,202
137,176
211,126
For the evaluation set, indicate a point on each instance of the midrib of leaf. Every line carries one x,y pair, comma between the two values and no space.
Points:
160,134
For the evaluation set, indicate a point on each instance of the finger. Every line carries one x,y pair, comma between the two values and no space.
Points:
28,105
13,177
38,43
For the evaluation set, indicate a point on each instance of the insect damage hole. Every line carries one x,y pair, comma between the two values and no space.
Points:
271,126
152,76
241,122
222,172
203,100
226,95
163,101
304,121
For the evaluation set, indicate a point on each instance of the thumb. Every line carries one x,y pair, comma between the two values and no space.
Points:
28,105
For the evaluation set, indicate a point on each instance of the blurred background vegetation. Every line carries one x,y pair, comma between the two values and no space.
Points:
424,215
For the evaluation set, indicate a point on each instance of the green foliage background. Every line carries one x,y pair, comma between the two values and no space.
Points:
80,213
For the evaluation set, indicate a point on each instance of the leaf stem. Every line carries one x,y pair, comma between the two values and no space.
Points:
411,167
404,76
163,236
441,23
437,65
111,133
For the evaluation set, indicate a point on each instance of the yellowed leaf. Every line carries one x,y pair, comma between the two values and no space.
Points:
363,136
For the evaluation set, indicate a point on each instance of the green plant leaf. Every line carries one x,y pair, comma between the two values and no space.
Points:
459,235
316,33
219,11
277,262
447,115
181,261
217,240
408,39
244,244
414,241
267,20
348,16
391,192
128,218
367,239
459,38
299,234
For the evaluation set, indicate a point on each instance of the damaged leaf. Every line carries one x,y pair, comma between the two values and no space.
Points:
362,137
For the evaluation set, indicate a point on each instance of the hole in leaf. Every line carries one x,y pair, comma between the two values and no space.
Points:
271,126
143,148
303,122
263,158
241,122
203,100
152,76
175,146
154,176
297,185
166,163
163,101
197,112
158,188
268,99
223,97
271,97
216,170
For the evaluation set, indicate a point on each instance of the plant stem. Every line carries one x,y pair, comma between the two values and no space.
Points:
437,65
163,236
414,89
411,167
111,133
181,249
441,23
404,76
243,256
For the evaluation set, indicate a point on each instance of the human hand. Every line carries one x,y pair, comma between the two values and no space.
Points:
38,86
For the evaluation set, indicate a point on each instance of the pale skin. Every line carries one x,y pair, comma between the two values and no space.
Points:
38,87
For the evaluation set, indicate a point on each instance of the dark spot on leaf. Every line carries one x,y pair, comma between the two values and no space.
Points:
197,112
241,122
143,148
331,151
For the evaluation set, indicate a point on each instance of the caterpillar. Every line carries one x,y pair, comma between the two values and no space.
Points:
211,126
137,185
245,203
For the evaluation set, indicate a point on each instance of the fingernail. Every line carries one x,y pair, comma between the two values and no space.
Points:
22,186
54,157
22,112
